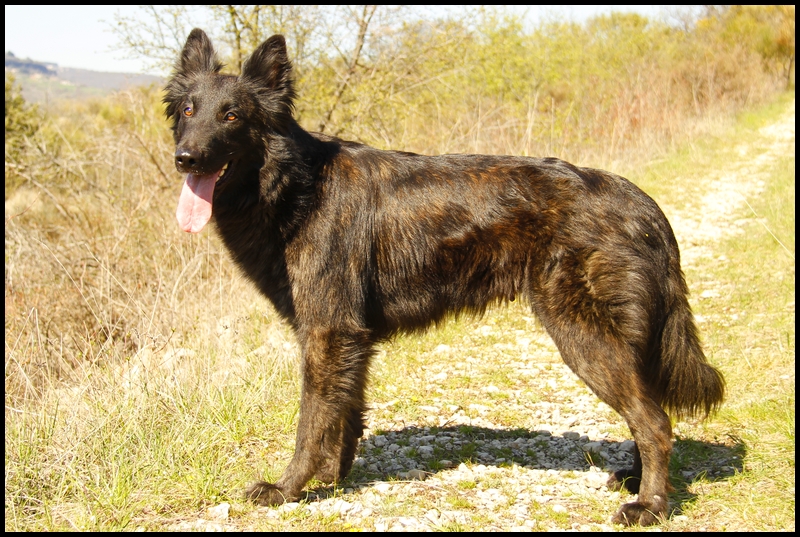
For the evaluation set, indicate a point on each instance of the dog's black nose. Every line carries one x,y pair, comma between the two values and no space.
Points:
186,160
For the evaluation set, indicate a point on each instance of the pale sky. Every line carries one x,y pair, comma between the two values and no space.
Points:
80,36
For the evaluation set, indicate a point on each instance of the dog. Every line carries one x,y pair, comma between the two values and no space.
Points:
354,245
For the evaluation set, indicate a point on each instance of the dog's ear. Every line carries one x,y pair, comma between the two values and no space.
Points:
198,55
269,65
269,70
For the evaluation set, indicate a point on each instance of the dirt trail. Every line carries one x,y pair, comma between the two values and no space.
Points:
715,215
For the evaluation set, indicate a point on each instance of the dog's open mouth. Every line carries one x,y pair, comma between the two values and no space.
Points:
195,203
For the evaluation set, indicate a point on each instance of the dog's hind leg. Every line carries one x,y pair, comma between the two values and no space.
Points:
331,410
603,310
649,476
612,372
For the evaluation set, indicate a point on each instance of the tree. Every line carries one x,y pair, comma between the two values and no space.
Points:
21,119
348,60
767,30
156,35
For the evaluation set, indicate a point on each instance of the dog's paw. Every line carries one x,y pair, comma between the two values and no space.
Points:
635,513
264,493
624,479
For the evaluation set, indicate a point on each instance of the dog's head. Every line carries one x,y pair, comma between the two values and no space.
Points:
222,123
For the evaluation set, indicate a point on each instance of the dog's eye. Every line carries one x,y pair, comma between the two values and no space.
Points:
188,111
230,116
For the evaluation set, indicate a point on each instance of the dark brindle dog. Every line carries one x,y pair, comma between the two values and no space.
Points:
353,245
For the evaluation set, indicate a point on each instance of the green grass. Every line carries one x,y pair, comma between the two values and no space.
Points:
757,351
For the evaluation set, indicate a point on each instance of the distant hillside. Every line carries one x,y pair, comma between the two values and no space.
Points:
43,81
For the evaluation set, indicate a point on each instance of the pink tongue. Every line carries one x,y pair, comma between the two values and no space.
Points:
194,206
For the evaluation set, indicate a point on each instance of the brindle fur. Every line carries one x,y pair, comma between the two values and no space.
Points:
353,245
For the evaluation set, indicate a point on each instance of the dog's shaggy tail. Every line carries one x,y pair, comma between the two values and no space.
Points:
690,386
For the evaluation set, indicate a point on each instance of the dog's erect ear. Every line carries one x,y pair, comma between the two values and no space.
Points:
269,64
198,55
269,70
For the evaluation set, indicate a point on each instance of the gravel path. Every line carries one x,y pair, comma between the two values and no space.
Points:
523,445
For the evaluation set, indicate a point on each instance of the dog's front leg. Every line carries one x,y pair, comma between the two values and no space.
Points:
331,413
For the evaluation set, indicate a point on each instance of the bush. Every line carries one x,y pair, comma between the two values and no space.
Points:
22,121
